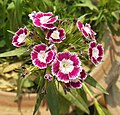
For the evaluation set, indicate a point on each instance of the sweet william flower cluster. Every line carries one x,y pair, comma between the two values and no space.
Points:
66,67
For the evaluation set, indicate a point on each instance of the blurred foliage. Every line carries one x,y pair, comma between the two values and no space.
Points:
103,15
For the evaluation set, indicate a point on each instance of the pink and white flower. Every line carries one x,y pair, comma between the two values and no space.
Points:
86,30
66,67
77,83
56,35
43,20
42,56
48,77
32,15
95,52
20,37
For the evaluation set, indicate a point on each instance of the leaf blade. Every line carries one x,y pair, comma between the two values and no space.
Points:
16,52
91,81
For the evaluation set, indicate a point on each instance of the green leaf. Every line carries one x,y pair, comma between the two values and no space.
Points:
99,109
79,98
89,4
52,99
2,43
37,105
75,99
40,95
64,104
90,80
16,52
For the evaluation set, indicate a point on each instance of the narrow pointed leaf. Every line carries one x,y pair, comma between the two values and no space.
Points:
16,52
99,109
40,95
79,98
75,101
91,81
37,105
52,99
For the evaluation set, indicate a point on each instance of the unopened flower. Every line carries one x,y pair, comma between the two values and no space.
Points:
42,55
20,37
56,35
86,30
48,77
43,20
96,52
66,67
77,83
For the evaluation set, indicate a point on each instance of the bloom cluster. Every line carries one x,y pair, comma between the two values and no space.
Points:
65,66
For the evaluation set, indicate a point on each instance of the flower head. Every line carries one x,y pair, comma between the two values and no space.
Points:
20,37
42,55
86,30
43,20
56,35
66,67
96,52
77,83
48,77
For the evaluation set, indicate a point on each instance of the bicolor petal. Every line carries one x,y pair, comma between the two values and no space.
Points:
56,36
95,52
42,56
19,38
43,20
86,30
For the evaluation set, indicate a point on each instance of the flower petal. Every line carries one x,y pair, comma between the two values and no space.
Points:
63,55
18,44
75,59
84,33
63,77
36,22
48,26
75,73
101,50
25,30
39,15
49,34
50,56
40,47
39,64
15,38
48,14
20,31
52,20
79,25
77,84
83,75
99,59
93,44
94,60
62,33
55,67
34,55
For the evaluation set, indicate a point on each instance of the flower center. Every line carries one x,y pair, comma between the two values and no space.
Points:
21,38
44,19
66,66
95,53
42,56
55,34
